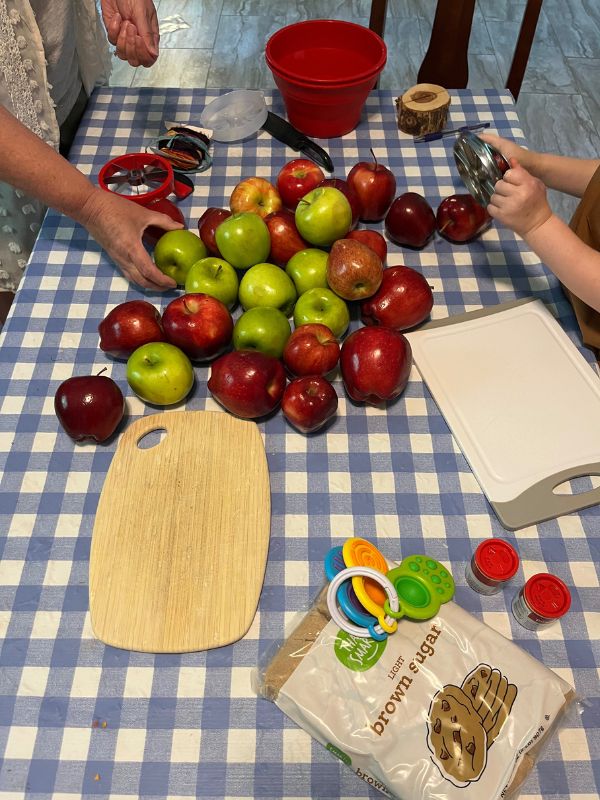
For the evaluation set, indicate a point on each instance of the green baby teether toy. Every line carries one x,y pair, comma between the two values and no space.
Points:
422,585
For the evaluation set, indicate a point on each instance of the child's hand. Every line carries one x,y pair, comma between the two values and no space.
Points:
519,201
508,148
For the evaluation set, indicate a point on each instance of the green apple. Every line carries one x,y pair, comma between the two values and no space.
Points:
308,269
160,373
268,285
324,306
215,277
176,251
262,328
243,239
323,215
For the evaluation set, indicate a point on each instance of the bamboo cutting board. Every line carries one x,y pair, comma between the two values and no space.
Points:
181,534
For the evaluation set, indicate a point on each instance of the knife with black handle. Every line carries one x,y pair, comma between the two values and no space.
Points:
286,133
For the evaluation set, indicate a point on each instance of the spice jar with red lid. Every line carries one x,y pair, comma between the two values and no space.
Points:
543,600
494,562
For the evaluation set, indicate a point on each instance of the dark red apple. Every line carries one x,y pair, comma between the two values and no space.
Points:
403,300
354,271
198,324
247,383
350,194
460,218
375,364
372,239
208,223
375,186
312,349
164,206
89,407
297,178
128,326
410,220
309,402
285,239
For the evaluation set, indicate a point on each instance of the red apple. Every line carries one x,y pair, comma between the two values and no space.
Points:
255,194
198,324
247,383
372,239
297,178
89,407
350,194
207,225
460,218
128,326
410,220
403,300
375,364
309,402
164,206
285,239
312,349
375,186
354,270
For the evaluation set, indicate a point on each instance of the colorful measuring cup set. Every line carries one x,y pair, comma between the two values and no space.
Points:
366,598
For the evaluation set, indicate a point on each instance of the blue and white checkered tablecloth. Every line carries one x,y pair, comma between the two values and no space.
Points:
78,719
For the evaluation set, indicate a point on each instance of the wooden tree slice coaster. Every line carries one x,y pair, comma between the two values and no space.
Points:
423,109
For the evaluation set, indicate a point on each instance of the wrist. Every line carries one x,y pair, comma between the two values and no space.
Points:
88,204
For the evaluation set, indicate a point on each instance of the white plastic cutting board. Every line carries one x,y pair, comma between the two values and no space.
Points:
522,403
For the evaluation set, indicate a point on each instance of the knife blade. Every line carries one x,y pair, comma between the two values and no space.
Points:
284,132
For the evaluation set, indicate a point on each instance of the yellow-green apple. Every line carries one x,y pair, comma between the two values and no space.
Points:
243,239
216,277
375,363
176,251
403,300
296,178
267,285
350,195
285,239
308,269
198,324
354,270
160,373
89,407
323,215
248,384
325,307
375,186
312,349
255,194
460,218
207,225
263,329
373,239
309,402
128,326
410,221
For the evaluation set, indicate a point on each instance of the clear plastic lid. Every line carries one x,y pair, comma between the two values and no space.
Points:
235,115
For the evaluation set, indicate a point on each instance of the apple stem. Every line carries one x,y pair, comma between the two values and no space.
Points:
374,156
444,226
102,370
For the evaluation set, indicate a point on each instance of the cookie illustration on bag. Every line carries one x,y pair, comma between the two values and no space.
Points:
492,697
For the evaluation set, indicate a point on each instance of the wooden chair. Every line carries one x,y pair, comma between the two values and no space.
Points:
446,60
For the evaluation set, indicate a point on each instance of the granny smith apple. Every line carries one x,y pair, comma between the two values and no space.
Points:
268,285
243,239
264,329
216,277
325,307
323,215
160,373
176,251
308,269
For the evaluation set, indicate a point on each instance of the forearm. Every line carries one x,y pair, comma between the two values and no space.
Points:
565,174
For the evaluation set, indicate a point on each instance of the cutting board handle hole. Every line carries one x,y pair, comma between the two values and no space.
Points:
580,485
151,438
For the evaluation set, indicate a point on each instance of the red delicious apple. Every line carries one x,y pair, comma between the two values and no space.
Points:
297,178
247,383
128,326
410,220
350,194
89,407
309,402
403,300
198,324
208,223
460,218
164,206
375,364
312,349
372,239
375,186
354,270
285,239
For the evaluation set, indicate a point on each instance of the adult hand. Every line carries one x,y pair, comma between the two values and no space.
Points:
519,200
118,225
132,26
